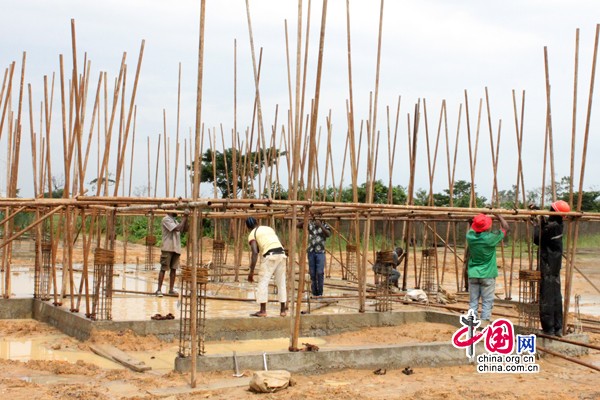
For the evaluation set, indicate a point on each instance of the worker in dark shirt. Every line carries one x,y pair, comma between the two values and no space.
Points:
318,232
547,235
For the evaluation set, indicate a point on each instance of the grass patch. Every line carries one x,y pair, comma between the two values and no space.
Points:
587,241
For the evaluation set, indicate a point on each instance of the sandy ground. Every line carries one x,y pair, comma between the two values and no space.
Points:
43,379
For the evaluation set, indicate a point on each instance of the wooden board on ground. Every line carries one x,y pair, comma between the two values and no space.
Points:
112,353
222,384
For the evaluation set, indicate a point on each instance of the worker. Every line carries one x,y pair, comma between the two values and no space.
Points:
170,250
318,232
263,239
482,266
548,237
398,257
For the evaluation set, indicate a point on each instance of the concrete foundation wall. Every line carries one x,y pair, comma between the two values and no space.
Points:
16,308
421,355
62,319
326,360
395,356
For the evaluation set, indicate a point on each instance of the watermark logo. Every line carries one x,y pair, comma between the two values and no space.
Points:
499,343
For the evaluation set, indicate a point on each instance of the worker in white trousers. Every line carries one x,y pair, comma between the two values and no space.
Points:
263,239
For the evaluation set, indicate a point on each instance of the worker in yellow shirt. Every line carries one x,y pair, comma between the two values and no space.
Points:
264,240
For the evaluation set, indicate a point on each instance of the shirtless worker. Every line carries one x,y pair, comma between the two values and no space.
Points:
263,239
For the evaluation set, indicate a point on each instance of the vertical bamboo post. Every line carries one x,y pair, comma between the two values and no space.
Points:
549,122
569,277
177,137
583,161
195,195
313,132
258,104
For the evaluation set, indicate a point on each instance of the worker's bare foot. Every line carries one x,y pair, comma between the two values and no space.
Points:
283,314
258,314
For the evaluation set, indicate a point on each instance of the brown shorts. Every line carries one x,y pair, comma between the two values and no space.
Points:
169,260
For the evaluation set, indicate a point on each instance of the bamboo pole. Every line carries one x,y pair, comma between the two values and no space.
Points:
258,104
30,226
195,195
131,107
549,122
177,137
569,277
315,111
581,177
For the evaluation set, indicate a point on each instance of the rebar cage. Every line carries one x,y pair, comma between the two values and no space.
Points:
578,326
350,273
46,270
43,260
185,322
217,260
383,267
103,284
150,246
428,272
529,300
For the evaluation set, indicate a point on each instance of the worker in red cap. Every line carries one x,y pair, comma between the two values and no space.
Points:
483,270
547,235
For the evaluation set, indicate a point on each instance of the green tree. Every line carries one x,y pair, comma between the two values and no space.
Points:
461,196
380,194
224,180
421,197
589,200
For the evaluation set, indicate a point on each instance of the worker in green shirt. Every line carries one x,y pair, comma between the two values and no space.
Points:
483,269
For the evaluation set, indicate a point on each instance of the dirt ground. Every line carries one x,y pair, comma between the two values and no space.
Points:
40,379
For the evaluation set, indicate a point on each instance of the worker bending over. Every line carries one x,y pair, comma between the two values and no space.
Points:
398,256
263,239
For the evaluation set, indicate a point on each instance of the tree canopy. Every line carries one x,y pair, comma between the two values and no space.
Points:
252,163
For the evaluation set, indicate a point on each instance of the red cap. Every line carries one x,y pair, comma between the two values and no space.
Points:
481,223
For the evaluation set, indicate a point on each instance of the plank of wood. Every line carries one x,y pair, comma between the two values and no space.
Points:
101,352
112,353
222,384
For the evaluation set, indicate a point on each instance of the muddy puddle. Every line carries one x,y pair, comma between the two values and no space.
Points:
141,306
40,348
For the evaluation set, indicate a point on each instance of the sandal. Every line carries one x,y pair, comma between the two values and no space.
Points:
282,314
258,314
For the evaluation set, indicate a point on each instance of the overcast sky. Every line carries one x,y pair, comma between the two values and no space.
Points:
431,50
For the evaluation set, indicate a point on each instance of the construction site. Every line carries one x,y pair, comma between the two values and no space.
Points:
82,315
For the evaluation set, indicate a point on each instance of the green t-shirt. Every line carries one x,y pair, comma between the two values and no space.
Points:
482,247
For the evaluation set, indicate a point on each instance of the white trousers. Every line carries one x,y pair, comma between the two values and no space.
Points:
271,264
